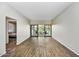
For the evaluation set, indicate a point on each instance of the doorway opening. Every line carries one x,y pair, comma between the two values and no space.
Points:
41,30
11,31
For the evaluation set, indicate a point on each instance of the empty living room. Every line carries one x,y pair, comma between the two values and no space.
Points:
39,29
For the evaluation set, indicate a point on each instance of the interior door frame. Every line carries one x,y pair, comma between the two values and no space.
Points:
6,30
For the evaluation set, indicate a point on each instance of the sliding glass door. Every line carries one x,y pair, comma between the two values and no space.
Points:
41,30
48,30
34,30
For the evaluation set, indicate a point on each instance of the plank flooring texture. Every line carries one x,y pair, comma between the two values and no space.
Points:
42,47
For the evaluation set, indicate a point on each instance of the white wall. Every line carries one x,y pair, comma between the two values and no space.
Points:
40,22
23,25
2,30
65,28
23,28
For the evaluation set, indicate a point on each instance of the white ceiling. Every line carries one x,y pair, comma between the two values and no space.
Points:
40,10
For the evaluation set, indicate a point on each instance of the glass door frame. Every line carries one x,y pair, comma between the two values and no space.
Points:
37,30
41,33
50,30
31,30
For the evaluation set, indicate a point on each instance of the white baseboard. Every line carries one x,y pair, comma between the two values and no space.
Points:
67,47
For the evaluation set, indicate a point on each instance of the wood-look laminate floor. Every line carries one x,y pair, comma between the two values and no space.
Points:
42,47
11,45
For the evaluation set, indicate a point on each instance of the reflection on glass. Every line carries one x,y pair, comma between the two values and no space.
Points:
34,30
47,30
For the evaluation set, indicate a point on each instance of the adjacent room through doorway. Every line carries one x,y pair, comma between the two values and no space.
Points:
11,36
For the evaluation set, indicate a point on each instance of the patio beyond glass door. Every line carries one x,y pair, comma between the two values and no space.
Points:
41,30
